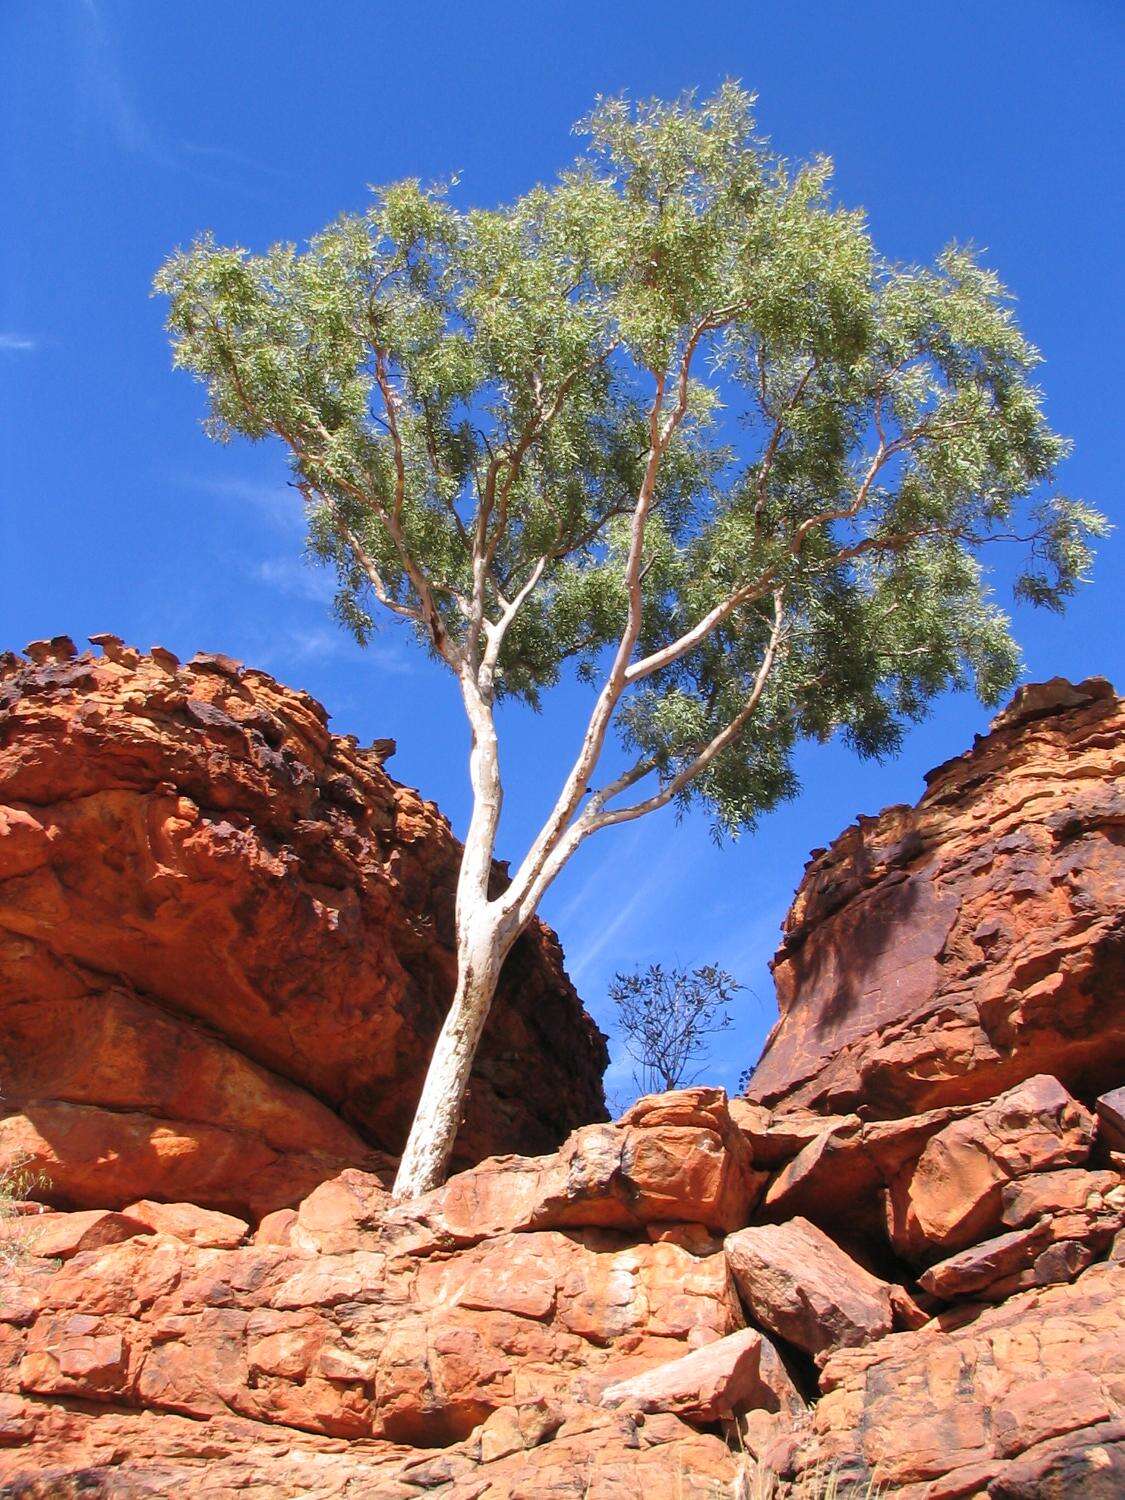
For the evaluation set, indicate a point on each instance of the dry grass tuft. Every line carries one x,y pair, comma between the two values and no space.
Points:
17,1231
822,1482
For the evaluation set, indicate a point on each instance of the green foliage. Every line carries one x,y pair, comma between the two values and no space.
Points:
470,396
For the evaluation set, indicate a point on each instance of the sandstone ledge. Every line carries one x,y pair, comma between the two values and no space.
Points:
226,944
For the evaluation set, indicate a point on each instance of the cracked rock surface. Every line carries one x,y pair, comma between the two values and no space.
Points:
226,944
900,1261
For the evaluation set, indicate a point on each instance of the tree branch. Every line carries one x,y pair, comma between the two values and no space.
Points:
390,404
594,817
363,557
429,613
498,629
549,841
714,748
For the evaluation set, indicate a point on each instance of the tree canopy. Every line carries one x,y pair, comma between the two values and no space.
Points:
673,412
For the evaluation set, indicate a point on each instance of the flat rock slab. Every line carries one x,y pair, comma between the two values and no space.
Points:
1111,1118
187,1221
800,1285
974,1270
740,1373
58,1236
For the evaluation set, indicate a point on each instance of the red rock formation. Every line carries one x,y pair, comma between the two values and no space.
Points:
225,944
671,1159
952,1196
801,1286
718,1380
964,1405
933,1301
404,1350
435,1357
952,1004
938,954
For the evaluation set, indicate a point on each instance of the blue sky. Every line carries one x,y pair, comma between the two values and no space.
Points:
128,126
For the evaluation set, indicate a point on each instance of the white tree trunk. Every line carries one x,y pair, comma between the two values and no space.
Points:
480,954
485,932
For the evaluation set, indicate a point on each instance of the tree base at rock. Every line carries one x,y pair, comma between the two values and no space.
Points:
227,945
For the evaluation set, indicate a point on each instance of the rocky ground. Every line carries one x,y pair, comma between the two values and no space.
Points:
900,1260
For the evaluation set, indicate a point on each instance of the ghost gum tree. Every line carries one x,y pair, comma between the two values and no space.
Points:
671,423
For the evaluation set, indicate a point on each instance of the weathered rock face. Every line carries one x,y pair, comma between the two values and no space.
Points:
939,954
352,1348
703,1299
975,1400
953,1005
225,945
953,1194
394,1353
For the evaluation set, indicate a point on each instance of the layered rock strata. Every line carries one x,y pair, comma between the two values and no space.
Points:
937,954
921,1288
226,944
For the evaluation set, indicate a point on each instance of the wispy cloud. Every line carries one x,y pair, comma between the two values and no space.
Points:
109,99
297,578
106,94
18,343
658,877
295,645
318,643
224,155
279,503
590,891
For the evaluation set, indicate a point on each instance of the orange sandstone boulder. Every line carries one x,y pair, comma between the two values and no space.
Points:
672,1158
733,1375
63,1235
187,1221
340,1213
953,1195
1068,1191
837,1179
226,945
801,1286
939,954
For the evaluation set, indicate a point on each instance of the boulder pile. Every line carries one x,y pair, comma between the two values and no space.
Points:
900,1261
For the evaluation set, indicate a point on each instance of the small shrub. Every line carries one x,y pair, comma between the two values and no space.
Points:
667,1017
17,1184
